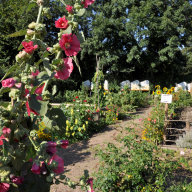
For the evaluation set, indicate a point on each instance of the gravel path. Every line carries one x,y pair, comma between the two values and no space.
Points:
81,156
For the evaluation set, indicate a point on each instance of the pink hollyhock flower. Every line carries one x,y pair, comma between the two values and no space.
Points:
36,168
65,73
4,187
6,131
28,47
70,44
64,144
69,8
18,85
90,182
10,82
34,74
17,180
51,147
60,164
61,23
39,90
87,2
84,101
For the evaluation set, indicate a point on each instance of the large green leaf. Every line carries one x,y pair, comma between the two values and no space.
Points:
10,70
18,33
38,106
81,12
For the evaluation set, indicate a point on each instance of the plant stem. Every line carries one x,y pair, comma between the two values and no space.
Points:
35,147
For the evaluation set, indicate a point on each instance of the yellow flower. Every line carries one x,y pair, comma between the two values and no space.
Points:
99,86
157,86
129,176
164,89
86,122
153,93
67,134
71,128
172,88
71,111
169,91
158,92
73,134
76,121
67,122
79,129
67,128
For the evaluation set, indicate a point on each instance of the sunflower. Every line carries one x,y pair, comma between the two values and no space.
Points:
164,89
169,91
172,88
157,86
158,92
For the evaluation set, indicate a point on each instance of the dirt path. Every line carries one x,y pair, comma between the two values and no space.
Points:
81,156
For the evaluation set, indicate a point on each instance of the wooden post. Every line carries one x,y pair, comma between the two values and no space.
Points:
165,124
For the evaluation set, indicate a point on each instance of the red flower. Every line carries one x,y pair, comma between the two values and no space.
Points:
64,144
87,2
36,168
10,82
4,187
51,147
65,73
60,164
90,182
89,118
28,47
74,100
34,74
17,180
97,110
70,44
69,8
84,101
61,23
77,97
6,132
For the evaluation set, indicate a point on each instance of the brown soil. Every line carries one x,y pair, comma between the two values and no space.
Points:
81,156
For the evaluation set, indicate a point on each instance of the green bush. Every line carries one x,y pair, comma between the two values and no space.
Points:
134,167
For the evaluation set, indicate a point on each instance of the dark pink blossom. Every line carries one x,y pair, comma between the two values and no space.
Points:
66,71
64,144
86,3
69,8
6,132
51,147
10,82
90,182
61,23
28,47
17,180
34,74
70,44
4,187
36,168
60,164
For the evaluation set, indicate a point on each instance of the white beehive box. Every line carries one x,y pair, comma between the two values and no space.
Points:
135,85
126,83
106,85
144,85
87,84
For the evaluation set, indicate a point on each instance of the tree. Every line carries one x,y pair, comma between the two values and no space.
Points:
141,39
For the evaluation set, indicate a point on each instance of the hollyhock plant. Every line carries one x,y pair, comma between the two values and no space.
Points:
86,3
69,8
65,73
17,180
70,44
10,82
60,164
28,47
4,187
61,23
90,182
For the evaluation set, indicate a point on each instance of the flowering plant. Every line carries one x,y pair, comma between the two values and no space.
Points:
28,160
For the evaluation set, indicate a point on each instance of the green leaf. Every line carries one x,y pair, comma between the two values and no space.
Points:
4,90
54,90
47,66
81,12
18,33
77,63
10,70
4,171
43,76
81,37
4,104
31,6
68,30
39,106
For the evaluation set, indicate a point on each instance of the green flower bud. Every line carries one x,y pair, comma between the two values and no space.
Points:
32,25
